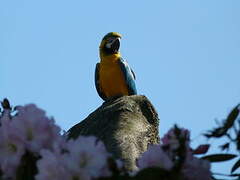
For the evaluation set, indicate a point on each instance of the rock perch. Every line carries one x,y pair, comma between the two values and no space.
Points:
126,125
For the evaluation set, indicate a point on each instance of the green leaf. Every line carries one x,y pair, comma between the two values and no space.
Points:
235,166
219,157
232,117
235,175
227,124
225,146
5,104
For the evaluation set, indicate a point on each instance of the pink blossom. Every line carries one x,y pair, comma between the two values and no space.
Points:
30,130
51,167
86,154
11,147
35,129
196,169
171,139
155,157
84,159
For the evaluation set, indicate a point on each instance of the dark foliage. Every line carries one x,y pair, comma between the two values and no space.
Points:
230,128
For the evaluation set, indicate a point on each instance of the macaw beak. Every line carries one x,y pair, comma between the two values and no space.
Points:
113,45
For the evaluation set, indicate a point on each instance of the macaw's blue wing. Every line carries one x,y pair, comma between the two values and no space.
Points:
97,84
129,76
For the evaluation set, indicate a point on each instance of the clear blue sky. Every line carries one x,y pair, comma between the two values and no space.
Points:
186,56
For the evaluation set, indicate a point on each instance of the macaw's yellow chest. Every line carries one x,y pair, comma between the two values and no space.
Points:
111,78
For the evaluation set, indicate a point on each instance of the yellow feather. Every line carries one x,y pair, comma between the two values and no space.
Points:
111,77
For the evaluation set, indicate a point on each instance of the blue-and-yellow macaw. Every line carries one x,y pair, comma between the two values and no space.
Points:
113,76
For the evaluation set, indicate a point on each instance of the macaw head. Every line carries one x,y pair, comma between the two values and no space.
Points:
110,43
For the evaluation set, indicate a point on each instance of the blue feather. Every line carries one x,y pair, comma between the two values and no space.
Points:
129,76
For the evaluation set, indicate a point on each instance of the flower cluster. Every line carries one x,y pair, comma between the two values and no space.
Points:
85,158
175,156
29,130
28,138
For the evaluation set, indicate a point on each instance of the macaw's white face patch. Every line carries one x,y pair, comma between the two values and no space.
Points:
111,41
108,45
